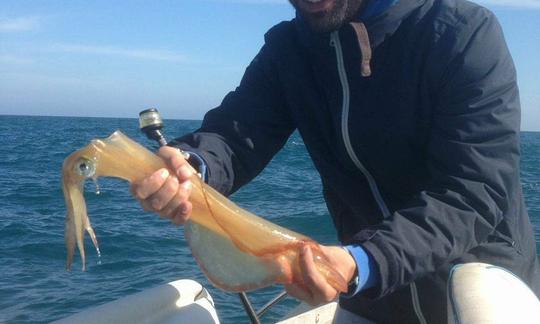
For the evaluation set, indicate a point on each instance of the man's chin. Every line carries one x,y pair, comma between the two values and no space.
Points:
326,15
322,24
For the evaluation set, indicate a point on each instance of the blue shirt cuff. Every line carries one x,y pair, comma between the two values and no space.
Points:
199,164
368,273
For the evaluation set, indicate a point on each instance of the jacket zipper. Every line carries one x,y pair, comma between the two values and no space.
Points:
336,43
416,304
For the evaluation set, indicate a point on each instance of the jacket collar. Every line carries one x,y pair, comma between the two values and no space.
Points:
376,7
381,18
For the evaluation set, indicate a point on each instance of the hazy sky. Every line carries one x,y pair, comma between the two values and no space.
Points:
115,58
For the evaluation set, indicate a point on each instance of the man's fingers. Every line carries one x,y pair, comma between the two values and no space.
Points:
150,185
184,190
311,274
178,204
176,161
169,210
182,213
165,194
320,289
166,152
167,191
184,172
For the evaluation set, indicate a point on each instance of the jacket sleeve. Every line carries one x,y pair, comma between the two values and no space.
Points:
238,138
472,158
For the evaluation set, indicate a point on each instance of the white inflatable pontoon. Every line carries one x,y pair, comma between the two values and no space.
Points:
478,293
181,301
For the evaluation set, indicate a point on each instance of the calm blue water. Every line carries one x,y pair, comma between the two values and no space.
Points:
139,250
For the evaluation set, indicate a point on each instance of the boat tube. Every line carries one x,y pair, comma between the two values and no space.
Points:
477,293
181,301
487,294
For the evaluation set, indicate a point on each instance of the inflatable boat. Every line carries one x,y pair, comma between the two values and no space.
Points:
477,293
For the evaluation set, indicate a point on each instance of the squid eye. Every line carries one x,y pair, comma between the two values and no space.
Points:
85,167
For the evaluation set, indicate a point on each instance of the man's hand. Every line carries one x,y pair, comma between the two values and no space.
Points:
165,193
316,290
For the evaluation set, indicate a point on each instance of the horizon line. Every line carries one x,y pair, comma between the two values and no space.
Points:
78,116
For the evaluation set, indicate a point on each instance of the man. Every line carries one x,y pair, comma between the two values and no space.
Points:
410,112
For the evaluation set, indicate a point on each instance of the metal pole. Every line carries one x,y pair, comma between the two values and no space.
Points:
271,303
249,308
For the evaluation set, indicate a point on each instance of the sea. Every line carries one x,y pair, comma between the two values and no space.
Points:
138,249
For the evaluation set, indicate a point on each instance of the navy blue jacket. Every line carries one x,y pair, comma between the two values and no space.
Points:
419,161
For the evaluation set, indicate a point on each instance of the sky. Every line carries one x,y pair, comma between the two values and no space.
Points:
114,58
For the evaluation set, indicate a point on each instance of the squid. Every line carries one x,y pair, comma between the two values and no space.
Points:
237,250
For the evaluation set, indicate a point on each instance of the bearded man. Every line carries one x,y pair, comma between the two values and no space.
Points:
410,112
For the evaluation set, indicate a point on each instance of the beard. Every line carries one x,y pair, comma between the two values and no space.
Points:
339,13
